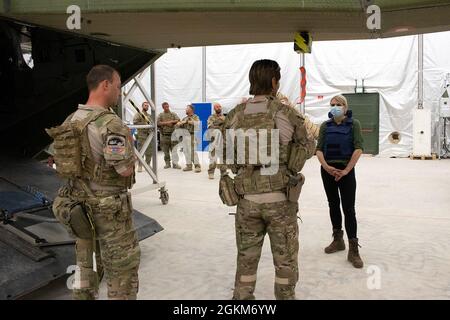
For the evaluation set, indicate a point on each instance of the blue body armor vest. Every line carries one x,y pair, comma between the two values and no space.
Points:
339,140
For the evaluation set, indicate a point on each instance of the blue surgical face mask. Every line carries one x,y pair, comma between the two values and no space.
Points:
337,112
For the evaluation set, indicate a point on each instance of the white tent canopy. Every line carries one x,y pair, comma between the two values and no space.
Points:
388,66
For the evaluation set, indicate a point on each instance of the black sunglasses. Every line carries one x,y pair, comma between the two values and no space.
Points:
336,105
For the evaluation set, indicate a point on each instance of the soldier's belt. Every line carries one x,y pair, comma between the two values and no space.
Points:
259,167
80,193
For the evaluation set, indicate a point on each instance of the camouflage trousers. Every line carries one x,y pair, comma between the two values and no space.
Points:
213,162
253,221
148,152
189,151
117,250
168,147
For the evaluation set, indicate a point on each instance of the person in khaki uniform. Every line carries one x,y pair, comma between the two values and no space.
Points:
190,123
215,122
144,118
267,200
100,182
166,123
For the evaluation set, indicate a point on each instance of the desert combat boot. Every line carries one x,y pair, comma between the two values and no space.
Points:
338,243
353,253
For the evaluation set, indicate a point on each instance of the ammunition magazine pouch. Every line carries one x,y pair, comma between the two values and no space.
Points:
250,181
294,187
297,157
227,191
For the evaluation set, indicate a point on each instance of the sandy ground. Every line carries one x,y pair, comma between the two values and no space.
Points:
403,211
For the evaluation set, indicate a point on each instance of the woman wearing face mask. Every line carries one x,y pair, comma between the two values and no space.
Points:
339,147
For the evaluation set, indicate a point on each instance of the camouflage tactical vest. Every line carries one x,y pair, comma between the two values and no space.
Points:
139,119
217,121
188,126
254,127
166,130
73,155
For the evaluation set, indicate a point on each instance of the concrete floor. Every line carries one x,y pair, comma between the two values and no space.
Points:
403,211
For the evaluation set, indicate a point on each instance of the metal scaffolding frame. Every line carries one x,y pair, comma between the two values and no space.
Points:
151,171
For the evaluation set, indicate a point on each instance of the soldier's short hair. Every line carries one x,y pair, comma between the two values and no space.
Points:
164,103
261,74
98,74
192,107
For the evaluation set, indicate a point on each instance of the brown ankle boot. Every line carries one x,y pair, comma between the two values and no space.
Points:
353,253
338,243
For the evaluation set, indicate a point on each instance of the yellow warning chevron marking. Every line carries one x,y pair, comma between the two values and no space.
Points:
302,42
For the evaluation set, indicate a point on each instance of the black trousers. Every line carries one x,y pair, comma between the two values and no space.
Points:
346,187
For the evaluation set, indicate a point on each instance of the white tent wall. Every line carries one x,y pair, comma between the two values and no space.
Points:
388,66
227,70
178,78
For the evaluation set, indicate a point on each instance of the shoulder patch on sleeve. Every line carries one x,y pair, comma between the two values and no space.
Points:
115,146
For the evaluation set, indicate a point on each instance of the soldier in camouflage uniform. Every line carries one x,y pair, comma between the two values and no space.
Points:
144,118
166,123
105,173
191,123
266,202
215,122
